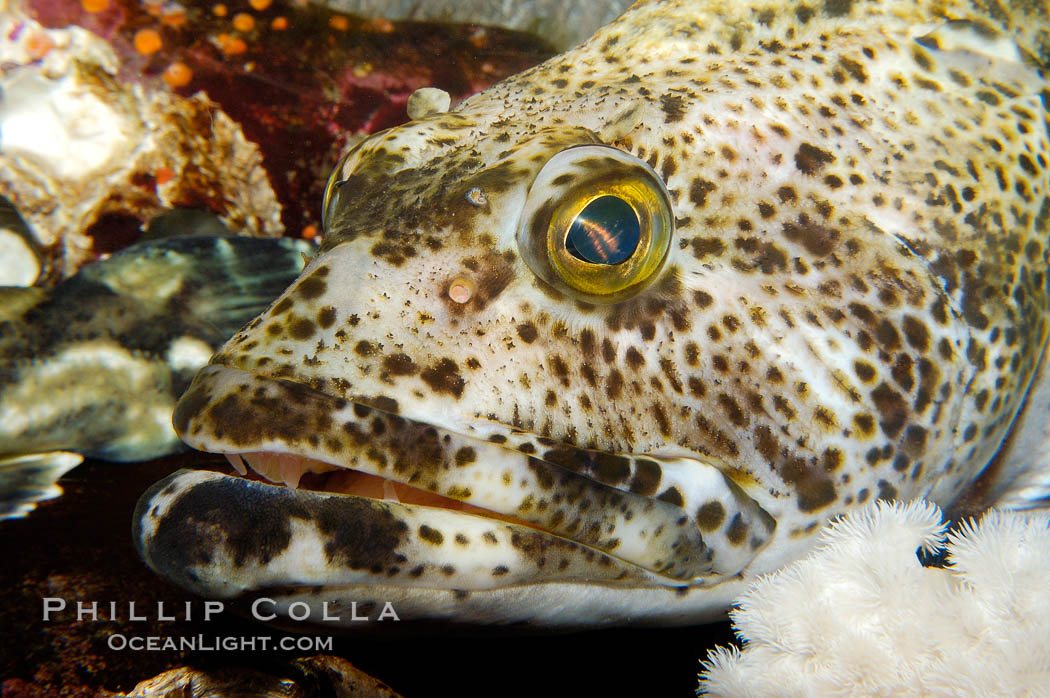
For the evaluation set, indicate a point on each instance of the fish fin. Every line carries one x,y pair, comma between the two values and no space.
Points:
178,221
214,283
28,479
1025,467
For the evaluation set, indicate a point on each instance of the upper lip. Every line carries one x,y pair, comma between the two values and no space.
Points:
235,411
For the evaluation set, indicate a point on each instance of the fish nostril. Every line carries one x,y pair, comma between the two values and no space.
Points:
461,290
476,197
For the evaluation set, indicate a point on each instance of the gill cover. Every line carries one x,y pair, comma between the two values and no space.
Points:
597,224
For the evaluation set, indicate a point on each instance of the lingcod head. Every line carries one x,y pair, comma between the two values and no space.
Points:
626,329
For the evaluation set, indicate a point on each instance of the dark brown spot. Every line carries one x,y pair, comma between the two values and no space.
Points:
314,285
732,410
865,423
646,478
302,328
855,69
365,348
634,358
699,190
892,408
611,469
864,370
673,106
710,516
283,306
810,159
326,316
817,239
527,332
672,496
465,455
736,533
587,342
914,440
814,488
431,535
832,460
399,365
560,368
443,377
766,443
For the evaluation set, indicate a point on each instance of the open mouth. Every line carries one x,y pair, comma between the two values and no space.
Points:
339,493
298,472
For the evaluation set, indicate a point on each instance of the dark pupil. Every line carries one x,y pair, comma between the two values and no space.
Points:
605,232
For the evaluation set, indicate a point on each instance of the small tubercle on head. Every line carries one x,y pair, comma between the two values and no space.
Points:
461,290
427,101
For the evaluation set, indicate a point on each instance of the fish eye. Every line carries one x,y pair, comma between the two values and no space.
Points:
597,224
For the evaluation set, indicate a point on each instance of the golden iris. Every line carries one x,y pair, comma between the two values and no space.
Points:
597,224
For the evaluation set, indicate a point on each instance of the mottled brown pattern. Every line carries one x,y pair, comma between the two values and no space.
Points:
853,304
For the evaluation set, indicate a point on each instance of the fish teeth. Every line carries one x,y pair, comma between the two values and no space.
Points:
389,492
238,463
279,468
263,464
291,472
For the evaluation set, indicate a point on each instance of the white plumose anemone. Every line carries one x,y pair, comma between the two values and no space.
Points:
862,616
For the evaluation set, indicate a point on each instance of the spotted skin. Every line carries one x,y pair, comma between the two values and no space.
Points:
854,305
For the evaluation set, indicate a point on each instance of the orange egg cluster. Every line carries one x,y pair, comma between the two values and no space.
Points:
230,45
243,22
94,6
177,74
147,41
173,15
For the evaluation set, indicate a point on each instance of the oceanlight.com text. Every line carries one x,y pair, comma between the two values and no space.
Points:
208,643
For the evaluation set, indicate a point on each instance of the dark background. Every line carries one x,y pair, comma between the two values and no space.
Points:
79,547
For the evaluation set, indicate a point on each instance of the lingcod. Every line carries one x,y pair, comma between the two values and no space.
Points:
616,335
94,365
